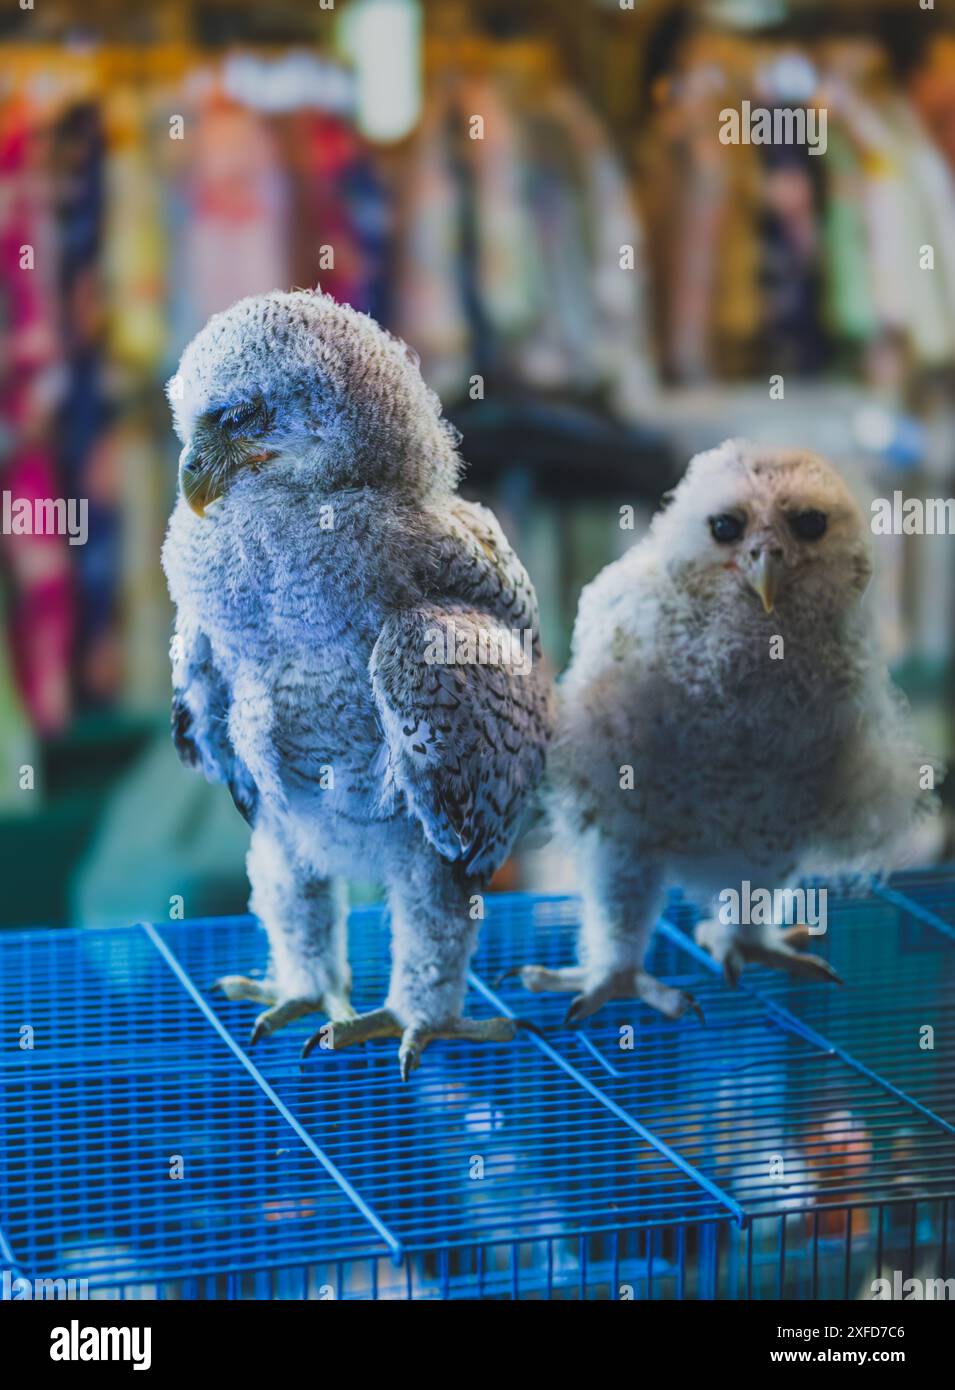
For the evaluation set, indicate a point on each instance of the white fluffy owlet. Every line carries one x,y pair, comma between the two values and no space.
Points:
727,717
357,657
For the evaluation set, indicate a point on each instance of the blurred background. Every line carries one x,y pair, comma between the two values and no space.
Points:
162,161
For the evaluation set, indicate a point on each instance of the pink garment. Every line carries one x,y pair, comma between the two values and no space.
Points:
236,237
40,611
322,149
41,617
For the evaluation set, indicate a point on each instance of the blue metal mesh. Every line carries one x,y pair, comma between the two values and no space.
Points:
796,1144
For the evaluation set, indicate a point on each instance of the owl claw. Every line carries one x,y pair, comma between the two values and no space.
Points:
382,1023
332,1036
784,951
538,979
282,1011
620,984
529,1027
582,1007
696,1007
413,1043
732,967
634,984
415,1040
242,987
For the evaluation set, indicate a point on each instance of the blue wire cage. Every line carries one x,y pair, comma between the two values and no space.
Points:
799,1143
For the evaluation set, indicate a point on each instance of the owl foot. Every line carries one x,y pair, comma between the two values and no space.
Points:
618,984
382,1023
776,950
282,1011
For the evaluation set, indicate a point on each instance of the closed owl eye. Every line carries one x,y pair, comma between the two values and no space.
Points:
250,417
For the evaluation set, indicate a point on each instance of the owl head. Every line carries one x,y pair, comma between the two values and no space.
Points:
767,527
295,390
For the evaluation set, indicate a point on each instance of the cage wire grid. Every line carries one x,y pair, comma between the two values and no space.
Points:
798,1143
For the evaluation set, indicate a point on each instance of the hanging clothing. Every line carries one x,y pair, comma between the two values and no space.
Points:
428,301
229,219
513,247
78,156
40,617
339,206
134,247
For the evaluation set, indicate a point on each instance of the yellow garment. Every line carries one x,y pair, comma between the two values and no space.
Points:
134,248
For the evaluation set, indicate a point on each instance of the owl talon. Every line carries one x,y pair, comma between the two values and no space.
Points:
415,1040
784,951
332,1036
382,1023
282,1011
798,964
413,1043
620,984
732,967
242,987
693,1006
583,1006
537,979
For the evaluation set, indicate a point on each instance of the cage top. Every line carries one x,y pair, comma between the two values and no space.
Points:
143,1141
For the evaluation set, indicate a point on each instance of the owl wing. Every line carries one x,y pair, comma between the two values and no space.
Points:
464,705
477,567
200,720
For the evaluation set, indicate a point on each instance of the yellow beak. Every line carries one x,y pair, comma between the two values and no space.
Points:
202,485
764,578
198,487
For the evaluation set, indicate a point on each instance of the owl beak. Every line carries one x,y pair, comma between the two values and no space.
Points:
196,480
764,573
203,484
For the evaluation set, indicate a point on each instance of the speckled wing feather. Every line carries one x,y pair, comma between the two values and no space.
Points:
477,567
200,712
465,742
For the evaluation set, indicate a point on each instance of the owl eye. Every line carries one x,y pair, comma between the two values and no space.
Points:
808,525
726,528
250,418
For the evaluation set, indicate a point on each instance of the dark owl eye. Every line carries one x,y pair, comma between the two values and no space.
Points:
248,418
726,528
809,525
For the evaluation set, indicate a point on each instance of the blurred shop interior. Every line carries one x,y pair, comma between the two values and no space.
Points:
580,385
